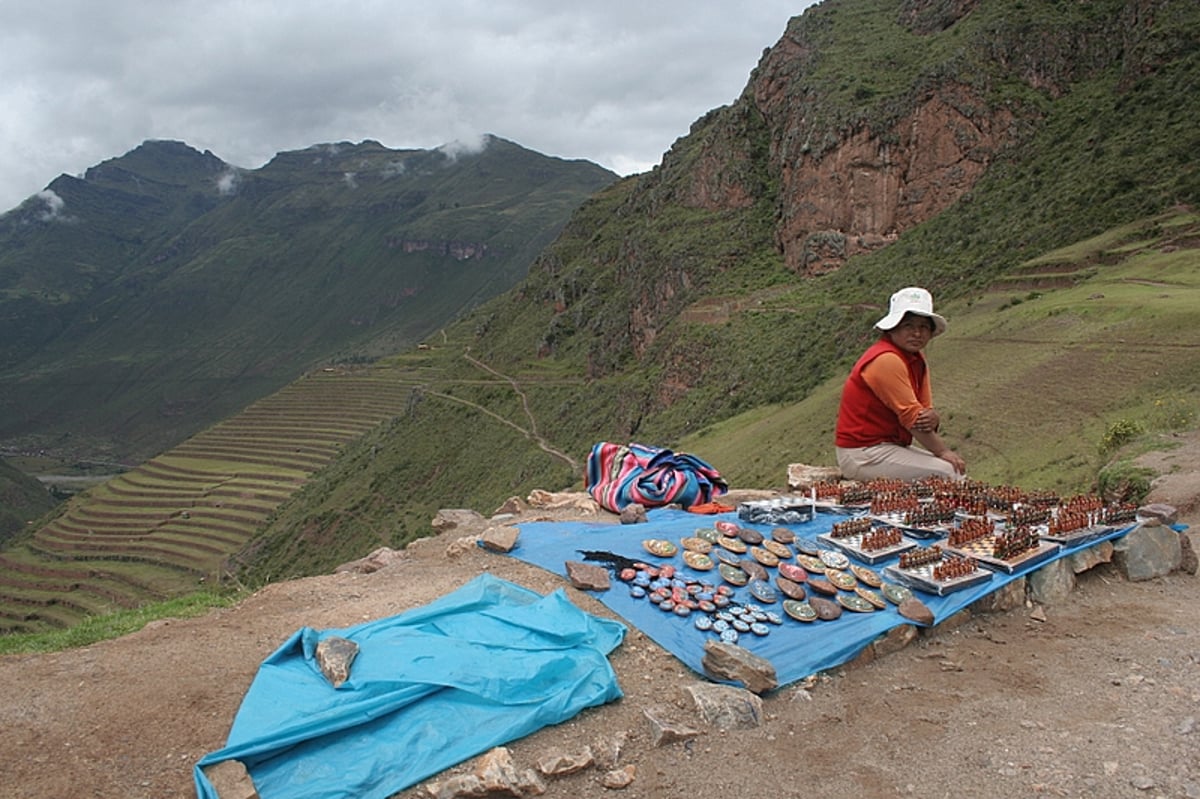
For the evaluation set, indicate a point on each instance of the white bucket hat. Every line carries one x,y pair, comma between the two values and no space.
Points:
912,300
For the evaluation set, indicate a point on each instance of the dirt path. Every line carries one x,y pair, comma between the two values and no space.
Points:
1099,699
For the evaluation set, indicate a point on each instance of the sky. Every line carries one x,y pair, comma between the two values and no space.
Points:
615,82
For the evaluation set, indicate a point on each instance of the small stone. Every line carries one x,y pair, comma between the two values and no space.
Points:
558,763
1038,613
667,730
588,576
334,656
620,778
1142,783
633,514
512,506
732,662
500,538
230,780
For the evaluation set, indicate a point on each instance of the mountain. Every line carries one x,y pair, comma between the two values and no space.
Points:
22,499
1032,164
165,289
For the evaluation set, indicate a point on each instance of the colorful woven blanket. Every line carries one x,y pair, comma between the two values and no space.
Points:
622,474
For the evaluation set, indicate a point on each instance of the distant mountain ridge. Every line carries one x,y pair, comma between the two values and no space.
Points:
167,289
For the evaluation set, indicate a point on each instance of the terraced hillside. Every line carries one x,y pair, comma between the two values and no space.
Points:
168,525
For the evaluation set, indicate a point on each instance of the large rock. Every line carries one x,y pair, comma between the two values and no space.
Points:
801,475
588,576
1148,552
1090,557
1052,583
731,662
727,707
1005,598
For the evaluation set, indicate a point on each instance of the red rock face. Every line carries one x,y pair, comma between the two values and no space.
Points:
871,186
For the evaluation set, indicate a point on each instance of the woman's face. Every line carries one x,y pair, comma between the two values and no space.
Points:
913,332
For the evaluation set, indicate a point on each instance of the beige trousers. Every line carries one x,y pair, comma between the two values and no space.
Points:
894,461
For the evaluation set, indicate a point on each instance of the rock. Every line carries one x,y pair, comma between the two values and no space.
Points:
914,609
588,576
334,656
732,662
462,546
727,707
500,538
1091,557
894,640
381,558
633,513
1038,613
513,506
1148,552
558,763
620,778
800,475
497,774
667,730
1052,583
1187,555
1158,513
1009,596
579,501
230,780
454,518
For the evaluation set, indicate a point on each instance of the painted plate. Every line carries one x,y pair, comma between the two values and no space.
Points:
797,574
696,544
708,534
822,586
754,569
867,576
725,556
750,535
874,597
733,544
726,528
777,549
896,593
790,588
764,557
733,575
660,546
783,535
843,580
800,611
811,564
807,546
855,603
698,560
834,559
763,592
827,610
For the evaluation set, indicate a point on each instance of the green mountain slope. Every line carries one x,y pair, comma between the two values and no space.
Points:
22,500
673,309
175,289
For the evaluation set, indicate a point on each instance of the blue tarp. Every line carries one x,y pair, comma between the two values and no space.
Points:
796,649
432,687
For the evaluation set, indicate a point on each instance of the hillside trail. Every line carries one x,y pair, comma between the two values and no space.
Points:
1098,696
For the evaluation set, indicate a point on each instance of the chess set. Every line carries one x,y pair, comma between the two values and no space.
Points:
903,522
935,571
867,541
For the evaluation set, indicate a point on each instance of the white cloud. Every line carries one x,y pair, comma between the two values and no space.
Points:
615,82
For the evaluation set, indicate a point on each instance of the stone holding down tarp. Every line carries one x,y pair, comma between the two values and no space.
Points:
427,689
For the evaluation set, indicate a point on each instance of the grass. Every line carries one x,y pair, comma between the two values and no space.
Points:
92,629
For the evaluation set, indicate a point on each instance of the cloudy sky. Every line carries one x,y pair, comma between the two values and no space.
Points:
614,82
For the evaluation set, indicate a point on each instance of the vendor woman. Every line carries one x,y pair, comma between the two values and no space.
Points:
887,402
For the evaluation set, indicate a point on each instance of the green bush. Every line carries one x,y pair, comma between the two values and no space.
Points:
1120,433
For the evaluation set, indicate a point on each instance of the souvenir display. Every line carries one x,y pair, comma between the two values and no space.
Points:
1003,550
874,597
833,559
733,544
750,535
807,546
855,603
763,592
696,544
708,534
698,561
868,576
934,571
764,557
841,579
753,568
868,541
780,551
790,588
827,609
895,593
726,527
811,564
800,611
783,535
660,547
725,556
822,586
793,572
733,575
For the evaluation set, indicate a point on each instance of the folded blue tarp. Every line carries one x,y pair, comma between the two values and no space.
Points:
796,649
432,687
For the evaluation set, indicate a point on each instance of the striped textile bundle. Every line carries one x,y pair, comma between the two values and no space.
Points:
623,474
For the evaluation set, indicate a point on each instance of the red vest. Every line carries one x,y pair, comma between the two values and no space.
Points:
863,420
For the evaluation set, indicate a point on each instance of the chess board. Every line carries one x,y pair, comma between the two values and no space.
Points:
921,579
897,520
1078,537
851,546
981,550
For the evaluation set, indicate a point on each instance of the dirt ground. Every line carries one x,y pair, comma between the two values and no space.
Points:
1099,699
